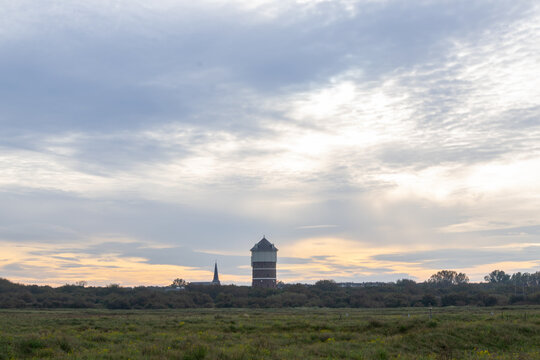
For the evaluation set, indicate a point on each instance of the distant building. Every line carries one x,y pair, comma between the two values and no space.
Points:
363,284
215,281
263,262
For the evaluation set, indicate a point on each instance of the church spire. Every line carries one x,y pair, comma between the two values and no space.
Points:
216,276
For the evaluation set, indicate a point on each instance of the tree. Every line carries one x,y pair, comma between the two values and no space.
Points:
448,277
81,283
178,283
497,277
429,300
406,282
326,285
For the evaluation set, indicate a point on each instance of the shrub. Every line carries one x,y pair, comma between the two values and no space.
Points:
29,345
197,352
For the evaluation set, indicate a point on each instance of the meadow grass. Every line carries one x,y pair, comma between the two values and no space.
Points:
302,333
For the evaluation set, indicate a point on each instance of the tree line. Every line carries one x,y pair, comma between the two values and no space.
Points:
445,288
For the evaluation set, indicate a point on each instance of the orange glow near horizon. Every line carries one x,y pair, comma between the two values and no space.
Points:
326,258
60,268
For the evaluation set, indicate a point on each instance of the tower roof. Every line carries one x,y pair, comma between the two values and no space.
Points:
216,276
264,245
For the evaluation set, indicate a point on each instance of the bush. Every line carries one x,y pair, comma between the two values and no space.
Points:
454,300
28,346
197,352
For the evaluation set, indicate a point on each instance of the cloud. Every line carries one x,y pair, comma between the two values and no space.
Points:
315,227
465,257
382,125
160,62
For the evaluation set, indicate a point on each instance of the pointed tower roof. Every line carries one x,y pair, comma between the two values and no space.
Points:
264,245
216,276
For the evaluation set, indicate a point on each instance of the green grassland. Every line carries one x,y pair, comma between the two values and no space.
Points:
302,333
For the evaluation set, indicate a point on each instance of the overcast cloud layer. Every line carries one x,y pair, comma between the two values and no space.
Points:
140,141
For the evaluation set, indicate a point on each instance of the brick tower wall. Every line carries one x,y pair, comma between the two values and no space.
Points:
264,274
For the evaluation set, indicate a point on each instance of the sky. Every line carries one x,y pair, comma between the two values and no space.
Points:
141,141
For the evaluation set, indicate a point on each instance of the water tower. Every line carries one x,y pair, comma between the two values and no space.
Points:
263,262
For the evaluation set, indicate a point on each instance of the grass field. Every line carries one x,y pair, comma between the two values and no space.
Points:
452,333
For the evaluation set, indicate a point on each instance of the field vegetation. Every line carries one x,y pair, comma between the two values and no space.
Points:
302,333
